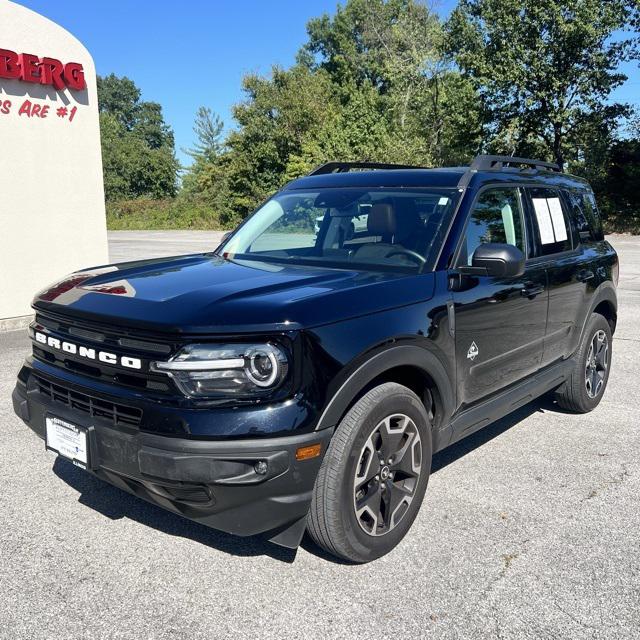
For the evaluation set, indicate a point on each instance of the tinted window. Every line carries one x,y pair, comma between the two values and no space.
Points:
552,230
593,215
578,216
496,217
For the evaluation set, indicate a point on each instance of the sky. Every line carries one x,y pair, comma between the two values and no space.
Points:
195,52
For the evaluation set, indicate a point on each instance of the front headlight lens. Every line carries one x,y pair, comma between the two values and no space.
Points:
230,370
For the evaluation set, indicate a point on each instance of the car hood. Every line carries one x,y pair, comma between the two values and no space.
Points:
206,293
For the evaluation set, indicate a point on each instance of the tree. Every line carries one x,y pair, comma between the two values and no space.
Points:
614,173
119,97
208,131
279,115
138,149
205,153
544,68
389,54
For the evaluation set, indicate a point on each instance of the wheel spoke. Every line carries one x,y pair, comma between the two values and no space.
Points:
396,495
391,436
369,464
405,463
601,353
594,382
370,499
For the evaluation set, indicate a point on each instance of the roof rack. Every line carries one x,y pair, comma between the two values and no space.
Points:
486,163
480,163
345,167
497,163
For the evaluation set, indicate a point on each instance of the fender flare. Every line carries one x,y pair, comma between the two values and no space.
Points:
606,292
396,356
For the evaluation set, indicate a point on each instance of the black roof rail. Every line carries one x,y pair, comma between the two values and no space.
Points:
497,163
486,163
345,167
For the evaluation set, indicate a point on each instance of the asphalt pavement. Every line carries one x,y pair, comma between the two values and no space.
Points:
529,530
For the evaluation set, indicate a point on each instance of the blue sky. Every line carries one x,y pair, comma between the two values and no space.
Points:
195,52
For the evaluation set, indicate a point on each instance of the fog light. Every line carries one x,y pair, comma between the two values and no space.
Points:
260,467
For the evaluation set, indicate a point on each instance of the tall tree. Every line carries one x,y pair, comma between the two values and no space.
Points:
207,129
545,69
138,149
206,152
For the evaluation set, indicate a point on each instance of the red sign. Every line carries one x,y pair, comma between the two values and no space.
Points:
49,71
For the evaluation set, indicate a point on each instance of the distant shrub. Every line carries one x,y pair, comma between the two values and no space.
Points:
169,213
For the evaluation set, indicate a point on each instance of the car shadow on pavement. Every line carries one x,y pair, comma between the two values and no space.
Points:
116,504
486,434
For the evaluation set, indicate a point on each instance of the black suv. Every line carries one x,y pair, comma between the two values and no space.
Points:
301,376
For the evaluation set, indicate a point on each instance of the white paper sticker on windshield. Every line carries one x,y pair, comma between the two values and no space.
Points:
443,201
559,227
544,220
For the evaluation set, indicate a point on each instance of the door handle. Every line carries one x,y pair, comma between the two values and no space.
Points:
584,275
531,290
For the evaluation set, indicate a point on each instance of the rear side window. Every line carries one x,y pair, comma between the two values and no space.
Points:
496,217
584,215
552,230
578,215
593,215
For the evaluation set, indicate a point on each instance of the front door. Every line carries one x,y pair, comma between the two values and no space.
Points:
500,323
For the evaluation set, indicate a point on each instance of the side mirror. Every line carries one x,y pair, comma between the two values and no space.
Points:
498,260
225,236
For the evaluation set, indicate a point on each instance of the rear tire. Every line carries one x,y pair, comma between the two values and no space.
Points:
587,382
373,478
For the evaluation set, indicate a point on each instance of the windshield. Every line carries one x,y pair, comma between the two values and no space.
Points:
346,228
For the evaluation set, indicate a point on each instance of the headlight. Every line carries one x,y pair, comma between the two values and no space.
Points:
229,370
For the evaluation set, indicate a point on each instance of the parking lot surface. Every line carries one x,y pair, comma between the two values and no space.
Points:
529,529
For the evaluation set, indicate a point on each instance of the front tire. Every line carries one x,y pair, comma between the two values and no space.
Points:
373,478
587,382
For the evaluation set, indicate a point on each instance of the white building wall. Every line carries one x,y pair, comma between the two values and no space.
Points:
52,216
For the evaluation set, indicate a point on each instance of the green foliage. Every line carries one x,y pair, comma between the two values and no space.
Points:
544,68
137,146
386,80
173,213
616,183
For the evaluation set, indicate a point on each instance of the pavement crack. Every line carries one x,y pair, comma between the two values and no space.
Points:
507,562
575,618
617,479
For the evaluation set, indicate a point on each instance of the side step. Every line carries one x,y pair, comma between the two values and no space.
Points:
476,417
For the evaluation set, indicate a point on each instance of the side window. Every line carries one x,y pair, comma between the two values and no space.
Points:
550,222
579,219
593,215
496,217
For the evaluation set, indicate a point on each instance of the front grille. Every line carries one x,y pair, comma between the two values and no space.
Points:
114,339
117,414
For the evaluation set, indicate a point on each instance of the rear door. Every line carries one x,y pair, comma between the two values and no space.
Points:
499,322
557,247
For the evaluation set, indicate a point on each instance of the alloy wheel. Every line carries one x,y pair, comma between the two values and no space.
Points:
597,364
387,474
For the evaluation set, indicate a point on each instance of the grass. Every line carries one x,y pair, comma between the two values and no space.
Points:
175,213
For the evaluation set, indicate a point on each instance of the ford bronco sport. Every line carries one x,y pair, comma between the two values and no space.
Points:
301,376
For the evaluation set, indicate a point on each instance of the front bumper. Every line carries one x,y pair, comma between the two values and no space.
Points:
213,482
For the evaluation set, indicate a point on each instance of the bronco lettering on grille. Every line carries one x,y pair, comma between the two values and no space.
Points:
86,352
